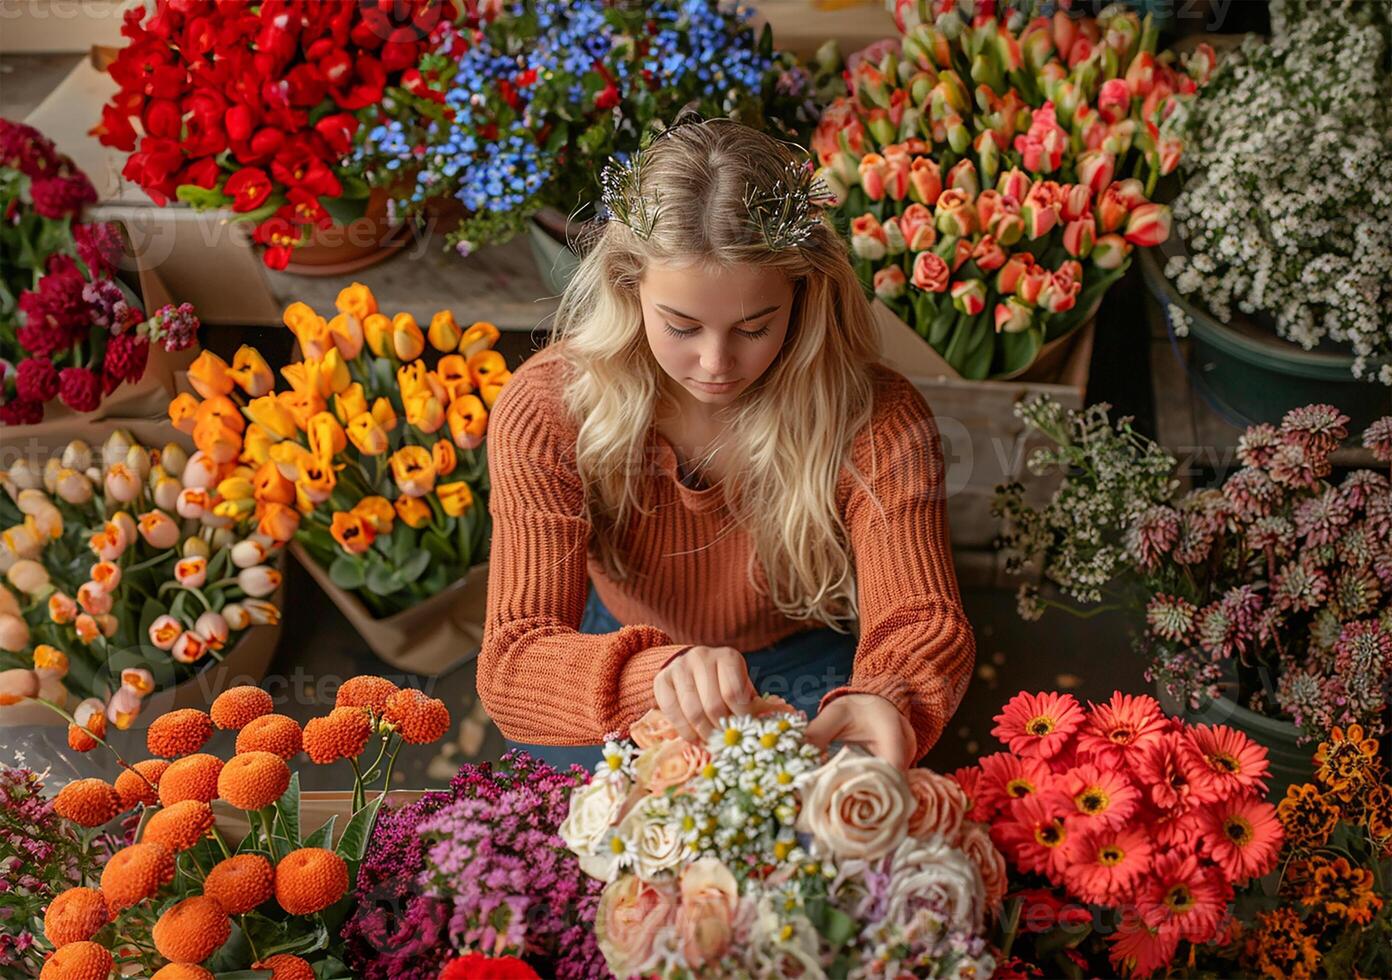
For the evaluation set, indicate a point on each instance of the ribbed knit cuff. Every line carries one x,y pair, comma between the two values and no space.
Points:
636,680
893,689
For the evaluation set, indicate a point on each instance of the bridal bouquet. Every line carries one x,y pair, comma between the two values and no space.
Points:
118,580
1122,823
751,854
994,173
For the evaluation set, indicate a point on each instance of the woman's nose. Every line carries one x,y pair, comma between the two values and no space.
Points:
717,360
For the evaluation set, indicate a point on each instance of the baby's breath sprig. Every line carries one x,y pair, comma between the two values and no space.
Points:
787,213
623,196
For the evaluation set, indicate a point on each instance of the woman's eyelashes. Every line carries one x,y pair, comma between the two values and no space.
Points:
751,334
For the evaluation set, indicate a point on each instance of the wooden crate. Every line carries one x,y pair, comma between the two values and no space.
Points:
984,444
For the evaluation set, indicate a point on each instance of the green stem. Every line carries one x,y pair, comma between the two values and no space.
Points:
149,562
386,780
358,794
120,761
266,829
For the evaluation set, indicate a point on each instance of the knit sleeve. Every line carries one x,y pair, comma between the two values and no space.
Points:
916,647
541,680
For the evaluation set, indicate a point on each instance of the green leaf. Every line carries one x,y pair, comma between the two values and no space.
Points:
347,573
1020,349
323,837
231,955
288,808
344,210
403,545
353,844
202,198
383,581
415,566
244,975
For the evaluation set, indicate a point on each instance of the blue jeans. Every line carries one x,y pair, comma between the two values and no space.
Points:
800,669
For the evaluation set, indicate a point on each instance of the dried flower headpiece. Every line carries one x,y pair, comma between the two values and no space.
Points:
784,214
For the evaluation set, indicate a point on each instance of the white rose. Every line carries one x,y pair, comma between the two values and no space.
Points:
593,810
932,870
857,806
653,837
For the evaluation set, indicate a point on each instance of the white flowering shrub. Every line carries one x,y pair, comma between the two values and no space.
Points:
1287,182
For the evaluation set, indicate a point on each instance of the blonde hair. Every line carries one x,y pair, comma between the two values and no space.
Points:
791,431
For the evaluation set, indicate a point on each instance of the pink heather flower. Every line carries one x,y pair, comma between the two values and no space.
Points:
1104,864
1183,898
1378,438
1322,519
1252,493
1244,837
1356,591
1300,586
1295,466
1320,429
1274,533
109,308
1361,486
1038,726
1228,626
174,327
1170,617
1363,659
1258,445
1119,728
1236,763
1154,533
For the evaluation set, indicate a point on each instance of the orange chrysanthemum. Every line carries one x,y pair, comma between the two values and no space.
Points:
88,802
192,930
285,966
194,777
419,719
74,916
182,971
342,734
240,883
309,880
277,734
79,961
179,733
253,780
365,691
136,873
237,706
134,789
180,826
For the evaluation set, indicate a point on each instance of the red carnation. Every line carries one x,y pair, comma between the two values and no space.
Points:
36,379
79,388
61,197
26,149
126,355
99,246
17,411
476,966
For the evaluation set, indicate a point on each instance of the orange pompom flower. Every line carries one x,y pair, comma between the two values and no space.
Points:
136,873
194,777
192,930
88,802
182,971
365,691
278,734
309,880
419,719
237,706
286,966
135,789
240,883
79,961
342,734
179,733
180,826
253,780
75,916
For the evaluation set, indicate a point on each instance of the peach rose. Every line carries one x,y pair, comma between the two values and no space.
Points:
855,806
674,762
772,704
650,729
705,920
940,805
631,913
976,845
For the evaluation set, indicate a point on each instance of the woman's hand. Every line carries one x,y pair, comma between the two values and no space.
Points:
701,688
868,720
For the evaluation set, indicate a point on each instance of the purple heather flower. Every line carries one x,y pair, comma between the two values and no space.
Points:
176,328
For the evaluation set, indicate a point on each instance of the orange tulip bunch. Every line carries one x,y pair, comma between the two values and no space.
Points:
182,902
116,586
372,458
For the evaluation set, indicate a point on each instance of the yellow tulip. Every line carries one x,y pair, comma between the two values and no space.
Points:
291,459
335,370
484,365
377,329
251,372
236,488
480,336
385,415
217,441
278,522
269,485
311,332
256,444
444,332
302,405
407,340
493,387
377,511
368,435
468,421
455,497
352,532
234,509
273,418
208,375
413,511
357,300
350,403
326,436
298,375
444,456
453,373
414,470
346,332
317,481
182,412
425,412
411,379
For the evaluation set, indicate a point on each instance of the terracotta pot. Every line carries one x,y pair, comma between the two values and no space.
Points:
342,249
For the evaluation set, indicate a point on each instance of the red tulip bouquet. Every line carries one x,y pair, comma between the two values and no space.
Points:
995,172
257,107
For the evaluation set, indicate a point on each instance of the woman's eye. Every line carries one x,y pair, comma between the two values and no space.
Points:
751,334
678,333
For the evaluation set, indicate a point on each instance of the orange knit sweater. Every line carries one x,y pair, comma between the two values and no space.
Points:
545,683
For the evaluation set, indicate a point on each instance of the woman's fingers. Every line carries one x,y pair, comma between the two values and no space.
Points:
736,689
665,690
702,688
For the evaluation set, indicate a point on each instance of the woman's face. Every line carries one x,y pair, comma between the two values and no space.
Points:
715,329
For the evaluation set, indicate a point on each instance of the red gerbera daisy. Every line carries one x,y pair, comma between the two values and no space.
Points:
1244,836
1138,951
1175,772
1094,797
1038,726
1117,729
1235,763
1182,898
1177,828
1006,777
1104,865
1034,836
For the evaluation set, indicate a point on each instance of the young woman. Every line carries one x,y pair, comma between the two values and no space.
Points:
706,486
